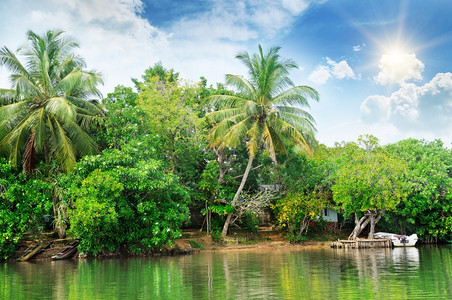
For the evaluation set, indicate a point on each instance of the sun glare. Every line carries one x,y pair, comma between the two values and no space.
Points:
397,65
395,55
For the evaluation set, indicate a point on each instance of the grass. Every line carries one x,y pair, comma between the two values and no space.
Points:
196,245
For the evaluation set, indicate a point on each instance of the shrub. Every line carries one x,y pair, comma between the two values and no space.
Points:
23,205
296,211
120,201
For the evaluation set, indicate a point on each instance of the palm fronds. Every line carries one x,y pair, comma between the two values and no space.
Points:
266,109
48,108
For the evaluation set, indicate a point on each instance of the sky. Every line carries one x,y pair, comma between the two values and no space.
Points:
381,67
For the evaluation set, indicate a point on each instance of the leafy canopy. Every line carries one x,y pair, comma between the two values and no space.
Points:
48,110
266,109
369,178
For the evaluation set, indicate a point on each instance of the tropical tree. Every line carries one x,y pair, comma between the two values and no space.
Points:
427,210
48,111
369,182
266,111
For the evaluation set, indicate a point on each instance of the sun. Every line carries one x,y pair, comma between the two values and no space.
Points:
397,65
395,55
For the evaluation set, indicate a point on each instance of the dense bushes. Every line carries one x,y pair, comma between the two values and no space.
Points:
25,205
296,211
118,200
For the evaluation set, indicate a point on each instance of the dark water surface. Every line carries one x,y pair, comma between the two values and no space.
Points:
311,273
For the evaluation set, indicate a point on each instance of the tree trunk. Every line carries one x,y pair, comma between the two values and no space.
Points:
236,197
373,222
59,218
360,224
304,225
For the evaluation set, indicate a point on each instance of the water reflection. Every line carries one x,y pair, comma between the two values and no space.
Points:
275,274
405,258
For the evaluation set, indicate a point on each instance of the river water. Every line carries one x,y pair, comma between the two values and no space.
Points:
292,273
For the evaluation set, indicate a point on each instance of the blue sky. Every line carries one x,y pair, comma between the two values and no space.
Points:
381,67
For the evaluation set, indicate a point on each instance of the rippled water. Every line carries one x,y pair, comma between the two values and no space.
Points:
410,273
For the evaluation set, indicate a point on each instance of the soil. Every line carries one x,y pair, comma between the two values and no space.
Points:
192,241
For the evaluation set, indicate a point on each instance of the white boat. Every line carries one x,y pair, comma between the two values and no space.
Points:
398,240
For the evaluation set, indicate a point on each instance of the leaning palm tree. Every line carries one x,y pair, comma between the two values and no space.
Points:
48,111
266,110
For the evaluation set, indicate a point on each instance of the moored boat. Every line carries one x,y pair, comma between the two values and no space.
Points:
67,252
398,240
31,251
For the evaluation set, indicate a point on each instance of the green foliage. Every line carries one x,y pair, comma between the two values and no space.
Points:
23,205
125,121
369,179
250,221
119,198
222,209
428,207
173,111
49,112
196,245
157,71
217,225
296,211
302,174
209,178
263,111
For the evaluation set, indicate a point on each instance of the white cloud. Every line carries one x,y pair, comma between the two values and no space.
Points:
416,111
295,6
320,75
241,20
399,68
358,48
112,38
117,41
339,70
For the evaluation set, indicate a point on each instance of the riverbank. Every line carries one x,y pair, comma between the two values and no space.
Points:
192,241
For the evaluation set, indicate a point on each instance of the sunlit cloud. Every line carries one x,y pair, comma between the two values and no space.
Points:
333,69
418,111
118,41
398,68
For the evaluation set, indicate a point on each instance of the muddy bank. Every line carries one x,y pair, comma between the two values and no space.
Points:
192,241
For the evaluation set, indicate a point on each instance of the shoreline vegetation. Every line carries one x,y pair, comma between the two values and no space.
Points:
192,242
126,173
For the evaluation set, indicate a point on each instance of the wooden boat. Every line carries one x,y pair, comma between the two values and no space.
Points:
31,251
67,252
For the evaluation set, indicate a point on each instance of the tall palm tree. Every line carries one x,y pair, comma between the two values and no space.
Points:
266,110
48,110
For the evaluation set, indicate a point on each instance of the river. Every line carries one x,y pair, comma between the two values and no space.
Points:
290,273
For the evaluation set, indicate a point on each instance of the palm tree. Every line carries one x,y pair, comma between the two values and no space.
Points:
266,110
48,110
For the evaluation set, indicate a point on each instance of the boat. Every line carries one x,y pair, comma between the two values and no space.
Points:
398,240
31,251
67,252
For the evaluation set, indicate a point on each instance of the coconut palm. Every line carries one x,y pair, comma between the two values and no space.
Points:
49,109
266,110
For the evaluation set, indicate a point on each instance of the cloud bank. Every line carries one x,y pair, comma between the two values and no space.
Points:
118,41
418,111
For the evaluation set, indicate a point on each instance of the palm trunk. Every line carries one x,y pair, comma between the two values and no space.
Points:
236,197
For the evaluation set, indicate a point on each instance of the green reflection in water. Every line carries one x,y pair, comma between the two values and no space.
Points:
411,273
